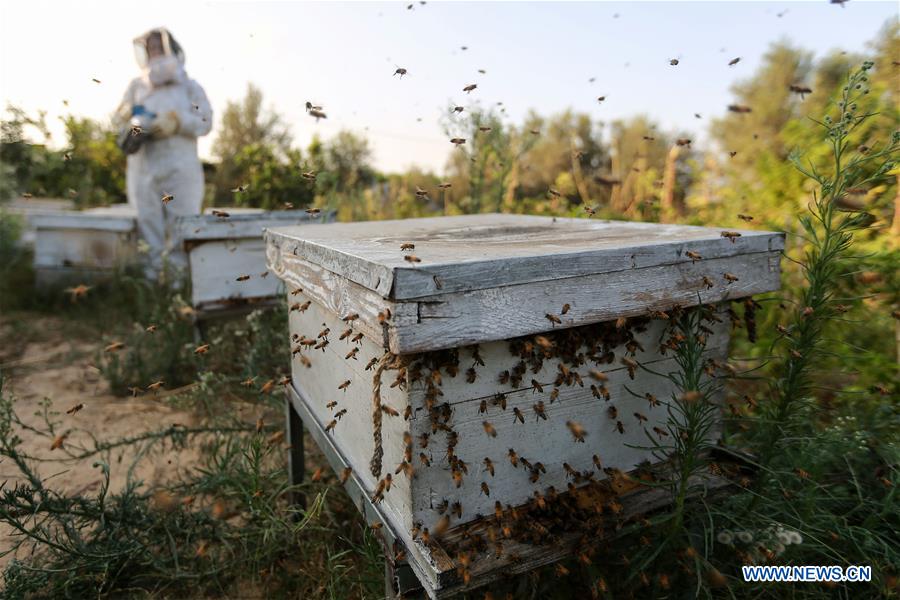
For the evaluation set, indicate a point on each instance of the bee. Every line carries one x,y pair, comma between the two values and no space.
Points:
683,142
485,489
309,175
513,458
693,256
554,395
344,385
457,478
324,333
537,386
331,425
384,316
317,114
641,418
739,108
734,61
553,193
390,411
553,319
590,211
598,375
74,409
620,427
539,410
347,333
378,496
445,186
352,354
407,412
156,385
632,366
248,382
729,277
651,399
313,211
220,213
708,282
731,235
489,466
457,141
407,246
58,441
601,98
500,400
747,218
167,198
470,87
421,194
613,412
114,347
400,71
242,278
578,432
411,258
518,416
674,62
458,109
484,129
489,429
423,458
201,349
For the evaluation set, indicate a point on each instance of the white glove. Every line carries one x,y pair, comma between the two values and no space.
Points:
165,125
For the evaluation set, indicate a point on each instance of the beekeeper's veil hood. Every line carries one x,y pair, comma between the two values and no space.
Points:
159,56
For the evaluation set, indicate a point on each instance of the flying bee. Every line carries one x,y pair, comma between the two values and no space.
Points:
553,193
458,109
313,211
693,256
729,277
201,349
58,441
309,175
400,71
731,235
411,258
598,375
114,346
578,432
221,214
242,278
156,385
739,108
553,319
747,218
407,246
683,142
167,198
445,185
489,466
390,411
344,385
317,114
590,211
484,129
74,409
331,425
457,141
489,429
601,98
734,61
421,194
641,418
470,87
518,416
673,62
384,315
539,410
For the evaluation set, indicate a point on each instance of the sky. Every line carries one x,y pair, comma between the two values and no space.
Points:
537,56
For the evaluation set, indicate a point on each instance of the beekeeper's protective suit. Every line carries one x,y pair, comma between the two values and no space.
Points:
164,177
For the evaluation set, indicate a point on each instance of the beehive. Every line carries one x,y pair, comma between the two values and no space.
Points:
450,337
222,249
84,245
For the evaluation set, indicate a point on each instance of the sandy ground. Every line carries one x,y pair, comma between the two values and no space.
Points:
56,367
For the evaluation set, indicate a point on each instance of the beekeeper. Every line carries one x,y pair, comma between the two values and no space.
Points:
162,115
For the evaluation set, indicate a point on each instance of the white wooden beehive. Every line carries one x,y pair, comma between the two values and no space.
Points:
222,249
83,245
482,281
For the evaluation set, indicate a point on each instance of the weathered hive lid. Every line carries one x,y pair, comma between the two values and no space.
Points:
496,276
117,217
242,223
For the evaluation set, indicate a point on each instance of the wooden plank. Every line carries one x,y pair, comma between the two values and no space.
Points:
481,251
501,313
119,217
242,223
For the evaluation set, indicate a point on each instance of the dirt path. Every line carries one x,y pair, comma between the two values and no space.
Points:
50,365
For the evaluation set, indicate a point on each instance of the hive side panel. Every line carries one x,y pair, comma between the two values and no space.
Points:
547,441
85,248
500,313
353,434
216,265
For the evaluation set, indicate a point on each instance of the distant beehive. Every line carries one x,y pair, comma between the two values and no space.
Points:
223,249
82,246
449,375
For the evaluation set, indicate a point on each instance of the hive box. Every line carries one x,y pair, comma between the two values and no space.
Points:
222,249
79,246
461,339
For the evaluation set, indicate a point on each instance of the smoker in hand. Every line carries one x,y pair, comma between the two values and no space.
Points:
161,116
